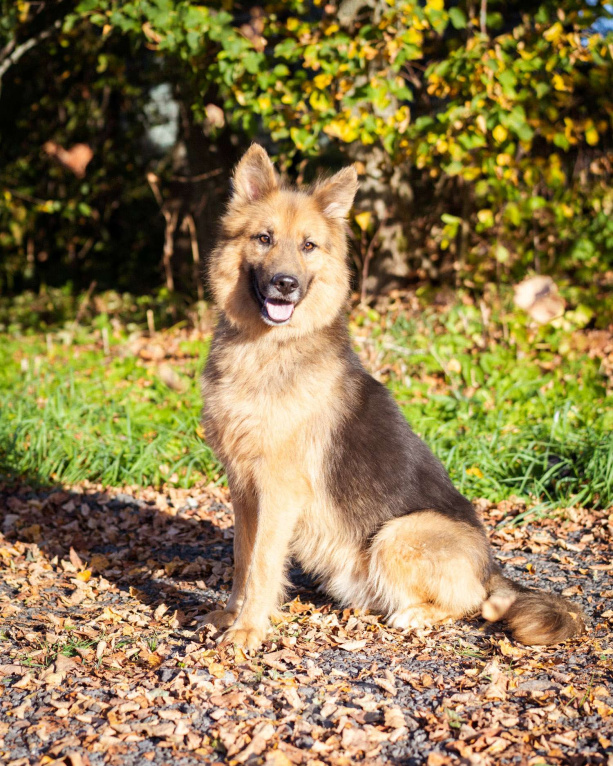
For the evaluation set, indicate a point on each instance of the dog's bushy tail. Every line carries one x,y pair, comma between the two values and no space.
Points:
534,616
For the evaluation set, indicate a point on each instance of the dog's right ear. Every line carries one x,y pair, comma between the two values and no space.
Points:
335,195
254,176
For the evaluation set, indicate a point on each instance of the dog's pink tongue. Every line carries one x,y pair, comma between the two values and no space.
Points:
279,312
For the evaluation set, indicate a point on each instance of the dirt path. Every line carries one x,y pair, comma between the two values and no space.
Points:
102,659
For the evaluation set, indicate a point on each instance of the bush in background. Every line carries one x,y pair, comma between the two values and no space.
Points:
482,132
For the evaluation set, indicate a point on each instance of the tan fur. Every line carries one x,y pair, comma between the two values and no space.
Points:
268,418
534,616
276,396
427,559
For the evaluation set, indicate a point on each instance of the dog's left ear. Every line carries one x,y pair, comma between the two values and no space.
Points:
254,176
335,195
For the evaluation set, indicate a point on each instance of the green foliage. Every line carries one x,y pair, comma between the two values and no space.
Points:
497,118
516,114
56,227
51,308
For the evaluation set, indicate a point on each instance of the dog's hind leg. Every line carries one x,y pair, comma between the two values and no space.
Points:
245,524
426,568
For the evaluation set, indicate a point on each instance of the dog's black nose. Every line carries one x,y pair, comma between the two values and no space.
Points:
284,283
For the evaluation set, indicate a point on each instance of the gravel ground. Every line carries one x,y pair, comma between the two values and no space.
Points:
103,659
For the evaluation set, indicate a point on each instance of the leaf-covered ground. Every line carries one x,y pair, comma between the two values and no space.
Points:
103,659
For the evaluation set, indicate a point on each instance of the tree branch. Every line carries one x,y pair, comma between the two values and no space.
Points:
11,56
483,17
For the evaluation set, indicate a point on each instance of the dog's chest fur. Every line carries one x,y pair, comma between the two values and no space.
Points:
270,415
270,404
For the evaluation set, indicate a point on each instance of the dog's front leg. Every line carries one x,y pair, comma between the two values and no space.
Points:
245,525
276,521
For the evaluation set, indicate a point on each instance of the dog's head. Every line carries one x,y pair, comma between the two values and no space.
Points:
281,263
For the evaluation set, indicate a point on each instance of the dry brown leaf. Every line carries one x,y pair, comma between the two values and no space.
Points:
539,297
98,563
169,377
353,646
394,717
76,159
277,758
217,670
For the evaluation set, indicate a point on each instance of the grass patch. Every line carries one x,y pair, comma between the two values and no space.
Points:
511,410
76,414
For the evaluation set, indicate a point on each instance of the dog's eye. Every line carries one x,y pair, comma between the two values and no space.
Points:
309,246
264,239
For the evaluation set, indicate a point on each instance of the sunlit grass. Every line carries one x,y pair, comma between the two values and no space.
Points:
509,413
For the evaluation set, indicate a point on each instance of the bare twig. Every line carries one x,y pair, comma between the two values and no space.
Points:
14,54
105,341
84,303
154,184
27,197
483,17
172,218
195,179
151,322
367,259
8,48
89,243
190,225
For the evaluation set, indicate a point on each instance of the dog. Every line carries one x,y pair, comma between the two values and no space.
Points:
321,464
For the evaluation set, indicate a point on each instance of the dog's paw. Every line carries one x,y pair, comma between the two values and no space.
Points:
420,616
245,637
221,618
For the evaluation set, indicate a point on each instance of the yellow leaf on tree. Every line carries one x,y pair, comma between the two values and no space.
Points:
554,32
264,102
559,83
346,130
363,220
319,101
414,36
591,135
322,80
486,217
500,133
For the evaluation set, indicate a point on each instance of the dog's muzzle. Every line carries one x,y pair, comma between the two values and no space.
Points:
278,298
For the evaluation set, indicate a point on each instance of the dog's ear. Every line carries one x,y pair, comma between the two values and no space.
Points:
335,195
254,176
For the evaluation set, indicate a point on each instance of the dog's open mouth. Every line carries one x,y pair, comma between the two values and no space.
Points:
274,311
278,311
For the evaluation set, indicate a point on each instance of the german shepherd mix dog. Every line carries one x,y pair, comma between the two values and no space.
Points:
321,464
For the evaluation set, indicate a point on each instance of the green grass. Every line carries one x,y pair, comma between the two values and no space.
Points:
75,415
510,410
